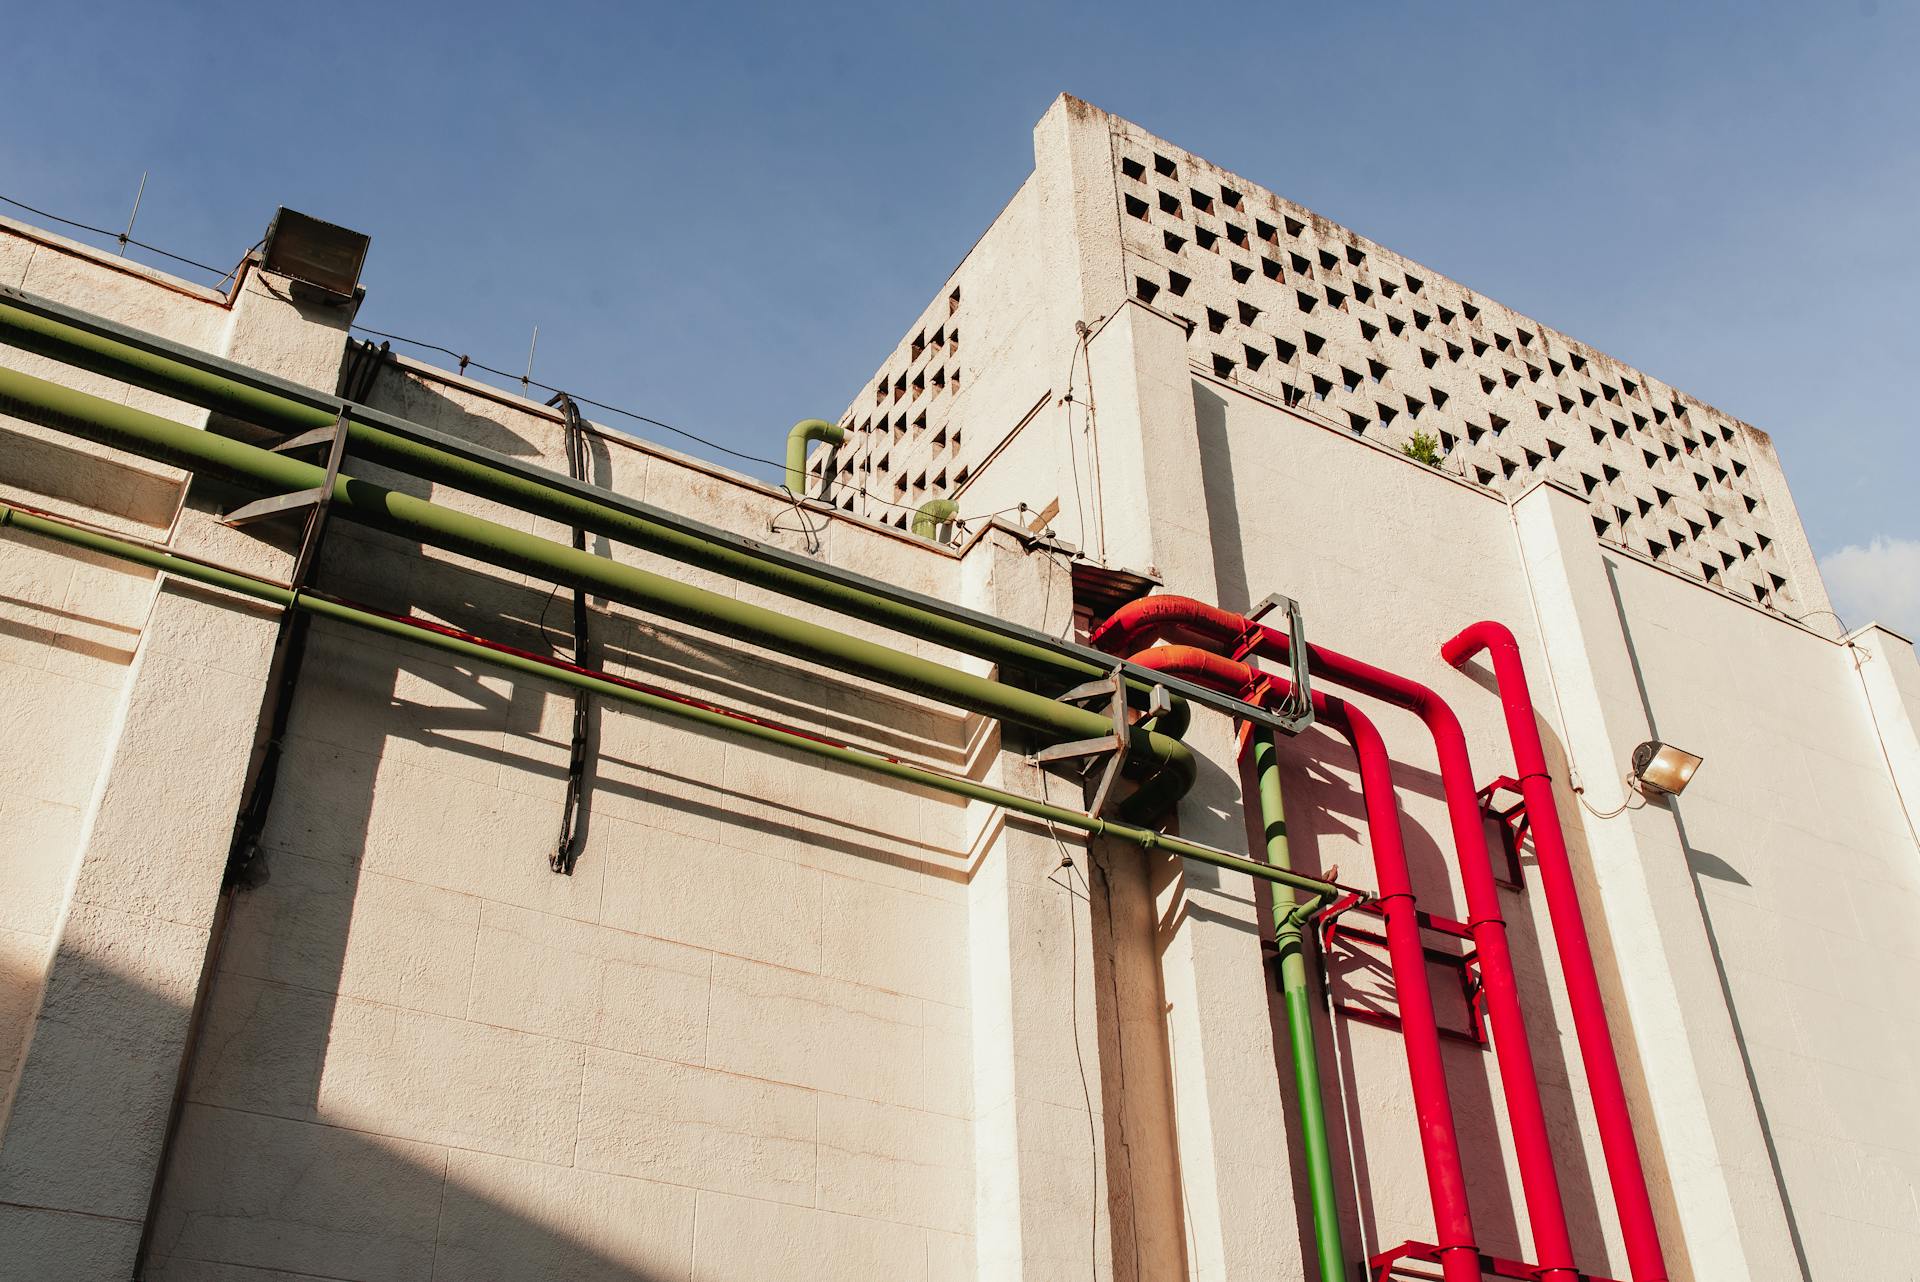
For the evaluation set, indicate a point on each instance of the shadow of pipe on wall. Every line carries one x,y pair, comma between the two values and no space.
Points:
372,716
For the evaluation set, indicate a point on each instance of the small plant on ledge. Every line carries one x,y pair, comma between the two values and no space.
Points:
1422,449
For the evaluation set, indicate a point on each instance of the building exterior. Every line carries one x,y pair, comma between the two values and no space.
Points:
794,1014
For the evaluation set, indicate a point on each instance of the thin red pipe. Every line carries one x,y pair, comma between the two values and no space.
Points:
598,674
1615,1123
1138,622
1433,1109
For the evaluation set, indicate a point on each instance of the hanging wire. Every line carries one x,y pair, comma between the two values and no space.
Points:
1073,999
1633,794
466,362
1073,462
121,238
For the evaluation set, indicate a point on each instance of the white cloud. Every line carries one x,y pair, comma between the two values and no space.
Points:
1878,583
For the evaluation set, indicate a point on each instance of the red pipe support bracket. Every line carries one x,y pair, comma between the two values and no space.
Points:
1433,1109
1617,1143
1136,624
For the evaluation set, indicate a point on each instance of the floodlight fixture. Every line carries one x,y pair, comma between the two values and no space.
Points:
1663,769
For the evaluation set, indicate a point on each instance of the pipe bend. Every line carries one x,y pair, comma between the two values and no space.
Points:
802,434
1171,616
1170,777
1202,667
932,515
1487,635
1137,623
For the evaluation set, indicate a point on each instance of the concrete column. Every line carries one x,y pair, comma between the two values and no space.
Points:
1080,205
1232,1107
1722,1214
1151,492
1039,1148
84,1137
97,1082
1230,1104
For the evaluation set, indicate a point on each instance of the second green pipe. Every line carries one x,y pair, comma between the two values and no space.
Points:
1288,918
1169,764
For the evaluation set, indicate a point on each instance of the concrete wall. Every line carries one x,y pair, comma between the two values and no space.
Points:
1805,864
738,1032
784,1021
1311,314
742,1039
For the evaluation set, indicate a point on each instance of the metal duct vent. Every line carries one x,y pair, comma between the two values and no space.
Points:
314,252
1100,591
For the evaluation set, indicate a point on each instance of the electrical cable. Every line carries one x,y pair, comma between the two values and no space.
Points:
120,237
1073,462
467,361
1073,1001
1861,657
1089,428
1633,795
566,850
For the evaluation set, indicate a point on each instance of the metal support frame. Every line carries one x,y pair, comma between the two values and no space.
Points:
1113,747
1513,827
290,644
1296,711
1390,1264
1466,965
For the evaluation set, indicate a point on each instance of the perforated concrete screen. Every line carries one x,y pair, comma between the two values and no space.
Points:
1293,307
1327,322
901,450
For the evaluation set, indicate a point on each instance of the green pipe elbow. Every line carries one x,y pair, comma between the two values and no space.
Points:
933,514
1171,772
803,434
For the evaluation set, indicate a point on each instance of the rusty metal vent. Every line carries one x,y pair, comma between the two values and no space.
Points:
1099,591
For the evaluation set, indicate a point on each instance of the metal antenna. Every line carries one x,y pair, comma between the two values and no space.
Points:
127,235
527,378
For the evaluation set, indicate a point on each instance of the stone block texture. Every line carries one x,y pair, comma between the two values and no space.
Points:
786,1021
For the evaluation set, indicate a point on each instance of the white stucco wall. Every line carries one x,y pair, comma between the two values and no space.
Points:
783,1021
1806,866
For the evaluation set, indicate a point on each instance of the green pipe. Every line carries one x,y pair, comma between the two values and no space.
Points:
932,515
1287,920
801,435
125,362
1169,762
873,763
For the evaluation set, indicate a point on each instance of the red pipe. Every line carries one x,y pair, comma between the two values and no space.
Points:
1433,1109
1134,624
1624,1170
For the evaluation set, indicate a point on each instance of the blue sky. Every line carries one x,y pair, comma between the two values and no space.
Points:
723,217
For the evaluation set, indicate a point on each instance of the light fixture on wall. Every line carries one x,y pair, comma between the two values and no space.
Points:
1662,769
